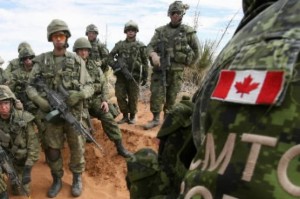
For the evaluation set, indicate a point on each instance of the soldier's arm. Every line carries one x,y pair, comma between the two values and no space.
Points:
104,56
152,46
86,81
33,145
194,43
112,55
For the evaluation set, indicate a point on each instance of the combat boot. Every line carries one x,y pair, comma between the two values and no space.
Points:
132,119
121,150
76,188
124,119
153,123
55,187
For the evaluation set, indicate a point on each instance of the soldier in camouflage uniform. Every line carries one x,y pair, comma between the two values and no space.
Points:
144,178
173,47
129,61
15,63
246,119
60,68
18,138
99,52
98,104
3,76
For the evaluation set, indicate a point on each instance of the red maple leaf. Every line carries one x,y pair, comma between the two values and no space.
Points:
246,86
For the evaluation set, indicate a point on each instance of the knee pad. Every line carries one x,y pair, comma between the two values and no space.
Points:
52,154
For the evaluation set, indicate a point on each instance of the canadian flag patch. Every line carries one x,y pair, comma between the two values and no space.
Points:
249,86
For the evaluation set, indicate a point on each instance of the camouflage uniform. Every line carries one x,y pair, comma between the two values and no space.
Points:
70,72
15,63
99,52
144,179
175,152
132,54
181,48
23,143
249,150
109,125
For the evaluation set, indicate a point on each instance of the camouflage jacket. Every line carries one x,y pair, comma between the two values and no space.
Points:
135,57
249,150
23,145
3,76
181,45
98,78
13,65
99,52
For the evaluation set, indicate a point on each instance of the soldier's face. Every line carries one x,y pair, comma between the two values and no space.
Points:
176,17
5,107
28,63
59,39
83,53
130,33
92,36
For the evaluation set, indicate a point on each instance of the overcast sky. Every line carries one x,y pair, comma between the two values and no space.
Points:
27,20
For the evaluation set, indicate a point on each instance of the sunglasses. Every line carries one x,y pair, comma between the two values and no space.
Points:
59,36
176,12
28,57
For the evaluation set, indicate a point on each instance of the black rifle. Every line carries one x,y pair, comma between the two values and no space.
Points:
165,61
8,167
21,94
122,66
57,103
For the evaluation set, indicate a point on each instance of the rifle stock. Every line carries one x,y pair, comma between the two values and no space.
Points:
57,102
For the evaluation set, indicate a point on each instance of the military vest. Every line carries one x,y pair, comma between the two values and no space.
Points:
16,130
95,53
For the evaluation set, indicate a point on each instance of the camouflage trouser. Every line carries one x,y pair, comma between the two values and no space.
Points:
127,93
55,135
158,97
109,125
39,122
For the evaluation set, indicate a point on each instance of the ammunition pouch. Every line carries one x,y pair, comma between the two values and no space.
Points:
4,138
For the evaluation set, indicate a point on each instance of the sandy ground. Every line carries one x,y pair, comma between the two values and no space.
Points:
104,177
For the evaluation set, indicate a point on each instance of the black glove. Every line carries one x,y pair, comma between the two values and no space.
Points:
144,78
116,67
26,175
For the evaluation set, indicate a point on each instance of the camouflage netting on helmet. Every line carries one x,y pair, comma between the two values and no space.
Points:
81,43
23,45
57,25
144,163
131,25
177,6
6,93
91,28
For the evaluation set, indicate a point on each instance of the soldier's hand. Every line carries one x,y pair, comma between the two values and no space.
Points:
19,105
26,178
155,59
75,97
104,107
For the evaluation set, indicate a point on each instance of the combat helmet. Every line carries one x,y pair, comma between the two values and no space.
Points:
177,6
22,45
6,93
91,28
26,52
131,25
142,164
81,42
57,25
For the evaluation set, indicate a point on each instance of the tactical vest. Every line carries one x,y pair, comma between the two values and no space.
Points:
95,53
16,130
132,53
66,72
176,46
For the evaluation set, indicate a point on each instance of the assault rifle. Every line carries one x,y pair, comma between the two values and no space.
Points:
122,66
165,61
59,107
8,167
22,95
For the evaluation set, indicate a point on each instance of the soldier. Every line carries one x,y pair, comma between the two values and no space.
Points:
98,104
15,63
129,61
99,51
173,47
3,76
18,138
246,119
60,68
